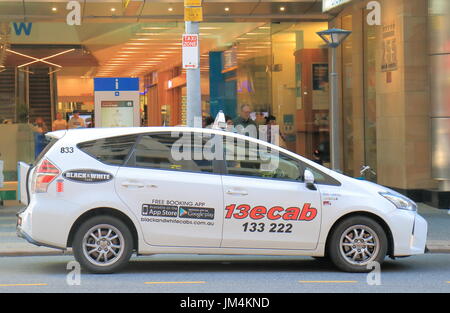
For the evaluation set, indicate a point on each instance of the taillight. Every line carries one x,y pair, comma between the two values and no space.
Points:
45,173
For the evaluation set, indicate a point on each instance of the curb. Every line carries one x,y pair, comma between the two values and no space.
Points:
438,246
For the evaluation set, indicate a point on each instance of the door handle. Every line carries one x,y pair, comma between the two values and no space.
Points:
132,185
237,192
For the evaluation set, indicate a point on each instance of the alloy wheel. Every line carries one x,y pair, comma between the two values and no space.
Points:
359,245
103,245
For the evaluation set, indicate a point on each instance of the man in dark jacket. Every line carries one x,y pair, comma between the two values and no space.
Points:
244,124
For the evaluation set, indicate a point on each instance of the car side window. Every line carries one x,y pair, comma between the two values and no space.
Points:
248,159
170,151
112,150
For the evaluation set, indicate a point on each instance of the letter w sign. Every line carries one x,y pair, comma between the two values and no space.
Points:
22,27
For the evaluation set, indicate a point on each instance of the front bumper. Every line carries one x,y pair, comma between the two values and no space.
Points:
410,234
419,235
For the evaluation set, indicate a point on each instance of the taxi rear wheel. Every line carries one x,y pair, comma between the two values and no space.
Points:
103,244
356,243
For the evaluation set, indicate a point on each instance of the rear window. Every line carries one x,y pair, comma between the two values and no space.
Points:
50,142
113,150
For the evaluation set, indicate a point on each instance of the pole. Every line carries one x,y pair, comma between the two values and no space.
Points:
194,93
335,128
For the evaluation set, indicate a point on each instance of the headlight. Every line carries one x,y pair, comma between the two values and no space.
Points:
400,201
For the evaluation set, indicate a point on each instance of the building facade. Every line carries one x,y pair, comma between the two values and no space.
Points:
395,100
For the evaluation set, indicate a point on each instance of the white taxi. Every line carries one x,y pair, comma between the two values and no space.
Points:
109,193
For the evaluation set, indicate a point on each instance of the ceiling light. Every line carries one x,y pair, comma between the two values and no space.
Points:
155,28
126,53
54,9
282,9
227,9
150,34
170,9
210,28
137,44
150,39
113,9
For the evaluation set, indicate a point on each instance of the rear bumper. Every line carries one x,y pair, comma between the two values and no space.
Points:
23,232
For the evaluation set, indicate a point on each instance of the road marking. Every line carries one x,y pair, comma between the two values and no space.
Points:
327,281
174,282
21,285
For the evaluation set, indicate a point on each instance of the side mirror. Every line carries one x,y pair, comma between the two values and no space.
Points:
309,179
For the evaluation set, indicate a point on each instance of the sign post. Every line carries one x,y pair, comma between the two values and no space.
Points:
193,14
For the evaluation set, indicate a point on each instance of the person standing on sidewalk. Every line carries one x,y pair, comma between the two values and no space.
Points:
39,130
76,121
59,123
244,124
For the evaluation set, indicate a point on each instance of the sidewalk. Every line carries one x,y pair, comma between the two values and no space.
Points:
438,240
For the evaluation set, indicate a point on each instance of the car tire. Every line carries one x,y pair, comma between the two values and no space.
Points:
356,243
103,244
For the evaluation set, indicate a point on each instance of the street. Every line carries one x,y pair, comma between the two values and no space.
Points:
224,274
179,149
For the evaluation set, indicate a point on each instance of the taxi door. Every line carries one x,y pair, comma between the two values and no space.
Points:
178,202
267,205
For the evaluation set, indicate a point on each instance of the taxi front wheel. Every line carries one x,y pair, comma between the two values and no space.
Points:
356,243
103,244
